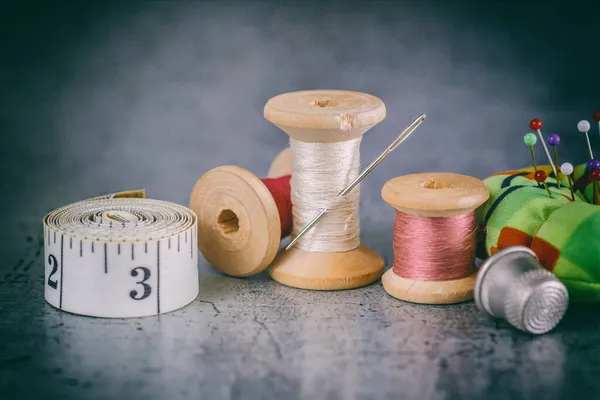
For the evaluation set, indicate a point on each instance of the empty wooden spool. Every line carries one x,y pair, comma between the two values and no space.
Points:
326,116
239,230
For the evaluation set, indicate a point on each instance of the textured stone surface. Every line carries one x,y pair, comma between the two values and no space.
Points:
253,338
105,98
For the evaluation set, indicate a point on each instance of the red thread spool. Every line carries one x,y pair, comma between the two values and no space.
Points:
434,237
281,191
242,218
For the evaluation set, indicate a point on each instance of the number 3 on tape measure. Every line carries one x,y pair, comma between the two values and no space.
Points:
121,257
147,288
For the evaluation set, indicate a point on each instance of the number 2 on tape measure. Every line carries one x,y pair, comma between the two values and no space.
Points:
54,264
99,267
134,272
118,268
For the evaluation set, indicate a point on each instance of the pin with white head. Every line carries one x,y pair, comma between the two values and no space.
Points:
567,169
536,125
583,126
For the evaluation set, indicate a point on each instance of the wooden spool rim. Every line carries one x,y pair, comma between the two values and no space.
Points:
435,193
429,292
327,271
255,207
325,110
250,249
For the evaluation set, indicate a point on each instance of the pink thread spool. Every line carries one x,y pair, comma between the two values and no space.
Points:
434,237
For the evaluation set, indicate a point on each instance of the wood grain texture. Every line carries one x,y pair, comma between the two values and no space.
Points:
327,271
433,194
239,231
326,116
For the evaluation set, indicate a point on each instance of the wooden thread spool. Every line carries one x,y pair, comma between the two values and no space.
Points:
239,228
326,116
433,195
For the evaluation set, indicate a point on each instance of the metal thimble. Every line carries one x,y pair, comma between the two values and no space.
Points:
512,285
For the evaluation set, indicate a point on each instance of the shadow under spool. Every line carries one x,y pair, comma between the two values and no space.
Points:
428,205
241,217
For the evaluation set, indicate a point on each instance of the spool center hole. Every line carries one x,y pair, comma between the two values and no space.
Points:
228,222
326,103
433,184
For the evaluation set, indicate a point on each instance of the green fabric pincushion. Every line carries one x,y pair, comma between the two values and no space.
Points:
564,233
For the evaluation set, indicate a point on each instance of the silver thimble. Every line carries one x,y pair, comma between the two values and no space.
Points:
512,285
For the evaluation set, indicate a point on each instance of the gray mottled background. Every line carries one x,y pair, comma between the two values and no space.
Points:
102,96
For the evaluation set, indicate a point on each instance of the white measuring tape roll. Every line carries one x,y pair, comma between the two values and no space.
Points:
121,257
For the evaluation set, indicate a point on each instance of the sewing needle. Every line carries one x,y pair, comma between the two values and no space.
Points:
403,135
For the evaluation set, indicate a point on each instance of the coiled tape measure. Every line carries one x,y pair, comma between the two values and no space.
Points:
121,255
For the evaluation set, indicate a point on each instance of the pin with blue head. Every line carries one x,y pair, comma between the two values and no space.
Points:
536,125
567,169
593,167
554,141
583,126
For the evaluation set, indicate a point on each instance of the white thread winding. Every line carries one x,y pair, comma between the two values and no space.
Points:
320,172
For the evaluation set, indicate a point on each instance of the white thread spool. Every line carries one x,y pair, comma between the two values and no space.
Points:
327,120
321,171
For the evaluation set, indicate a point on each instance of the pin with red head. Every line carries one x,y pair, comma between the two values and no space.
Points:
540,177
536,125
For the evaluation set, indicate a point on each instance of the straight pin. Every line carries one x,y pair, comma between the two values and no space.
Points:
530,140
583,126
554,141
567,169
536,125
540,177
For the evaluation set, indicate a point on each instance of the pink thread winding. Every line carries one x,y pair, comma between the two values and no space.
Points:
434,248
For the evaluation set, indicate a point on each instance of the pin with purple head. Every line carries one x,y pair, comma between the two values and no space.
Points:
554,141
